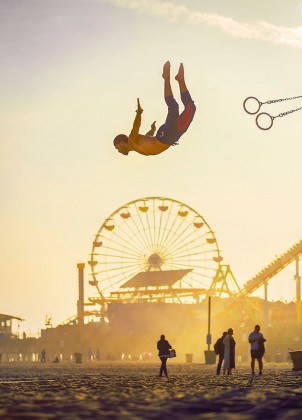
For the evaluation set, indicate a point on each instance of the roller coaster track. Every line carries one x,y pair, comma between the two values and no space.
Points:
271,269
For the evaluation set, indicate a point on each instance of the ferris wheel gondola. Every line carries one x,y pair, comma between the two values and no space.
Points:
153,234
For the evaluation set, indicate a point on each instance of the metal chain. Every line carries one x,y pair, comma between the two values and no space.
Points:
272,101
288,112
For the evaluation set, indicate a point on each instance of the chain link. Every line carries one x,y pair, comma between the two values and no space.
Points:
272,101
283,114
288,112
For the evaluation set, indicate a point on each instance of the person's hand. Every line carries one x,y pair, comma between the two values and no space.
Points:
139,108
153,126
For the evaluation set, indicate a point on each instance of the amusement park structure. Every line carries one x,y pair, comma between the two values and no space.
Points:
160,250
155,265
281,262
153,249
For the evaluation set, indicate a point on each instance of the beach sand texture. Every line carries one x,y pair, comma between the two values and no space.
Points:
114,390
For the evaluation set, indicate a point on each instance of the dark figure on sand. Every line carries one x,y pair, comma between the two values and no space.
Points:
43,356
219,350
229,352
257,341
163,347
170,132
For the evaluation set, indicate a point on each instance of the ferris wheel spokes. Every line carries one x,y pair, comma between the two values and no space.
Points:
166,228
146,230
195,243
182,236
138,240
113,271
116,279
152,234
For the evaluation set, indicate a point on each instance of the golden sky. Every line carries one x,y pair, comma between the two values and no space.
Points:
70,73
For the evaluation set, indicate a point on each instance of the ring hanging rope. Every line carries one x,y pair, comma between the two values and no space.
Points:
271,101
259,125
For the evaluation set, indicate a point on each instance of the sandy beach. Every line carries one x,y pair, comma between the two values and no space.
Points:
134,390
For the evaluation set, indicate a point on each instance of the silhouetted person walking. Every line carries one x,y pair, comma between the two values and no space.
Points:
229,352
257,341
219,350
163,347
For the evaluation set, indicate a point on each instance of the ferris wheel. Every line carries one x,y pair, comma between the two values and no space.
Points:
153,234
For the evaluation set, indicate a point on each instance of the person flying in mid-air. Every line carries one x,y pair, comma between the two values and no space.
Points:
171,131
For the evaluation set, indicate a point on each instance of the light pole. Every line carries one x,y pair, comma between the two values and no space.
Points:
209,337
80,305
210,355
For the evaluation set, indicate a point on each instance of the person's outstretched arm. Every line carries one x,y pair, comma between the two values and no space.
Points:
152,131
133,138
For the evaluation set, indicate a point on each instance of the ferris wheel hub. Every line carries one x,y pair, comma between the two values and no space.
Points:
153,234
155,261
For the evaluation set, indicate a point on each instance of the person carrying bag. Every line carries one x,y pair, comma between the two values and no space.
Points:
164,348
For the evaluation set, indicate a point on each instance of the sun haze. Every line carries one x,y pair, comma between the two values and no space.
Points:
70,74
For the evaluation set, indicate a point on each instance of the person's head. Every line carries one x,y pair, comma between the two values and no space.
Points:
257,328
230,331
121,144
162,337
224,334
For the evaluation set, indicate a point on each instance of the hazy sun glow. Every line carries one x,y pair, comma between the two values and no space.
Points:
70,74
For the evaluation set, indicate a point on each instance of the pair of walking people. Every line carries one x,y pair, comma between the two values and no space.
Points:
225,349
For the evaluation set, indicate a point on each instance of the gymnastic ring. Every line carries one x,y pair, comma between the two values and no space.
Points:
259,105
264,113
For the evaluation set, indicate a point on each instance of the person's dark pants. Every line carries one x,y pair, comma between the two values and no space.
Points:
176,125
221,357
163,368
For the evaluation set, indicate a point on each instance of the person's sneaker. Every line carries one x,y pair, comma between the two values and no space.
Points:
253,373
260,373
